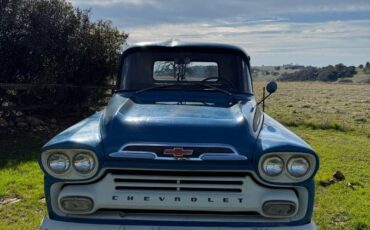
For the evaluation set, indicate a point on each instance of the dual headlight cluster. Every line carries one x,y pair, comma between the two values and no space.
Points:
69,164
287,167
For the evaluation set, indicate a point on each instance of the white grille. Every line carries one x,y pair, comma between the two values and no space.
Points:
178,192
178,183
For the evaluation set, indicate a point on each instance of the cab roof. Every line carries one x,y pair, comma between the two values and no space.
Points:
184,46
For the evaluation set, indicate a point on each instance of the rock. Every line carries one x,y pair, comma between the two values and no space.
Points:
339,176
33,121
22,124
324,183
6,104
350,185
18,114
3,123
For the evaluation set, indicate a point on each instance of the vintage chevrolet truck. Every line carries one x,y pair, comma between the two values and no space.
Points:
182,144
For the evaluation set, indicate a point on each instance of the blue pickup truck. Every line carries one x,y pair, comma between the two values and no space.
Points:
182,144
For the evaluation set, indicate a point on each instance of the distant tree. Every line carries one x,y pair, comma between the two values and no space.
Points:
277,67
306,74
344,71
297,67
327,74
49,41
361,66
367,67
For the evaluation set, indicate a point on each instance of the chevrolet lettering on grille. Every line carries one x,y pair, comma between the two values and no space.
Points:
192,199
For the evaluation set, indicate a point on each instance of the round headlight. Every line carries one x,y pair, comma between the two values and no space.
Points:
58,163
298,167
83,162
273,166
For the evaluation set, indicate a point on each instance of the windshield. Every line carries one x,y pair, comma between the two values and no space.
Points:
185,71
145,69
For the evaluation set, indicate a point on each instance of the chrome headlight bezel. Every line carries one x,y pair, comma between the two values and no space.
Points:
277,160
83,167
293,172
60,155
285,176
71,173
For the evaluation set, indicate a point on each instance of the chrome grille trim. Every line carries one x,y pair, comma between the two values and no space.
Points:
179,183
144,151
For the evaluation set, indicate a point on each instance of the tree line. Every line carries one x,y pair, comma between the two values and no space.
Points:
51,42
327,73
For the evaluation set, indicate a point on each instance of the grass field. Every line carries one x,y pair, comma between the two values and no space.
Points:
333,118
270,72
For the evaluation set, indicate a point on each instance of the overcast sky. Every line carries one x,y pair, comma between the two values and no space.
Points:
273,32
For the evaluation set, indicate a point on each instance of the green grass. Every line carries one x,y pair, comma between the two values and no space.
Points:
21,178
339,206
333,118
23,181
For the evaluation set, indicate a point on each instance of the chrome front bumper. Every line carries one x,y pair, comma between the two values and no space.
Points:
48,224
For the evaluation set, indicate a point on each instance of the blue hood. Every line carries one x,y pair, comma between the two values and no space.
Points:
129,121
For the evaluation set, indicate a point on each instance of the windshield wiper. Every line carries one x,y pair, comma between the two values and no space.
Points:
157,87
202,85
212,87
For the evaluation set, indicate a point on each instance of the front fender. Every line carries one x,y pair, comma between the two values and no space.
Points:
84,135
274,137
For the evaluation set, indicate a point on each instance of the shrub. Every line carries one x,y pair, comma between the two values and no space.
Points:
50,42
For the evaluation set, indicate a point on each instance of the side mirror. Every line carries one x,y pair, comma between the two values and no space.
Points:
271,87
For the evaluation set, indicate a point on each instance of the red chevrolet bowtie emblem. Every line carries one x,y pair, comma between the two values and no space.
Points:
178,152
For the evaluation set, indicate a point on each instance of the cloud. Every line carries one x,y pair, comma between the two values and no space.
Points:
164,11
273,32
276,42
239,6
106,3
